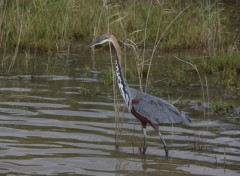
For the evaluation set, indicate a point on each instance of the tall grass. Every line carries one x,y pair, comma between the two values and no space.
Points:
224,69
47,25
52,26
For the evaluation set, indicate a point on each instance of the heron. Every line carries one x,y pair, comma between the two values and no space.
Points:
146,108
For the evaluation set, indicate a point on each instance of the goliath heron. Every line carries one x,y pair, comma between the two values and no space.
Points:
146,108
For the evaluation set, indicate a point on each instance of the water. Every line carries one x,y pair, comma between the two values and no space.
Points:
51,125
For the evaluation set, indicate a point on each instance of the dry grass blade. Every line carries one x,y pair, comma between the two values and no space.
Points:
157,43
137,60
199,76
134,32
18,42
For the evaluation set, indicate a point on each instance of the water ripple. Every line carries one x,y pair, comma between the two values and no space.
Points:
35,105
48,128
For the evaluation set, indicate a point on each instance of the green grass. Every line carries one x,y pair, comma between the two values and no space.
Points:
45,25
50,25
222,108
224,69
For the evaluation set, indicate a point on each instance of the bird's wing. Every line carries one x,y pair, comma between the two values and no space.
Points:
156,109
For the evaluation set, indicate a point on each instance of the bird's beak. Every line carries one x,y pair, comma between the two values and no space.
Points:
98,41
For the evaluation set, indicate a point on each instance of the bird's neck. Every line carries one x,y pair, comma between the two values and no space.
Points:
118,52
121,82
119,71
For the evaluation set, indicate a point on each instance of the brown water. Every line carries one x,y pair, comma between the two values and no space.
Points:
51,126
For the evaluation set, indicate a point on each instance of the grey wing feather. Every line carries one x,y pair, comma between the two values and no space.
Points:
158,110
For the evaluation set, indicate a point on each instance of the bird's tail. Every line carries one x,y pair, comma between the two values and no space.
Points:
185,117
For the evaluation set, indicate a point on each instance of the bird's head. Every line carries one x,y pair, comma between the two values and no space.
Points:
102,39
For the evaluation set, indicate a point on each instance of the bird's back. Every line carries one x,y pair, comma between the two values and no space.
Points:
156,109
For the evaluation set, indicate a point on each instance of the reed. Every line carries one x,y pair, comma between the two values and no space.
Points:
47,25
52,26
223,69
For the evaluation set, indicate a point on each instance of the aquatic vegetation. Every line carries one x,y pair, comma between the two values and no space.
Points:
107,77
53,27
224,69
222,108
85,90
178,75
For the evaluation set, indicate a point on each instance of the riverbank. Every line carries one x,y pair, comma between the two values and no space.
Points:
49,25
55,26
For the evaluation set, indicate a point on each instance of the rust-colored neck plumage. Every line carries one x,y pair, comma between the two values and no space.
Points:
119,71
116,45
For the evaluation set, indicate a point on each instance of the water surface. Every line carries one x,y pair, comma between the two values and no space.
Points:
51,125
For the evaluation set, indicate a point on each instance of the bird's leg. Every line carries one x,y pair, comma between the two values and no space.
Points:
164,143
144,147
